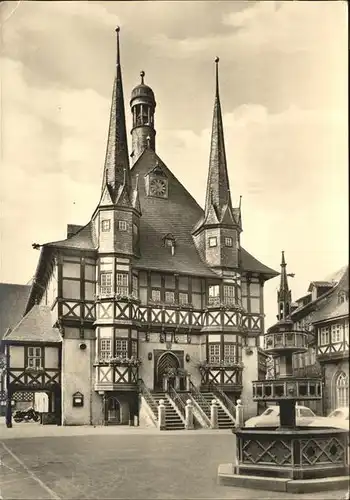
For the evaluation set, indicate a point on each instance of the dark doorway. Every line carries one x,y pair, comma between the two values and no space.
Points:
113,411
166,362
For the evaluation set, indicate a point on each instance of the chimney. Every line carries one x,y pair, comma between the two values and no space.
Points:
72,229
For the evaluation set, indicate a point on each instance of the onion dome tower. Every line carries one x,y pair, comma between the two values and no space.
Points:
298,455
143,105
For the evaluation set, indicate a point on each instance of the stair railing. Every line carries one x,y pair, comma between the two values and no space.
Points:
146,393
178,401
222,396
199,397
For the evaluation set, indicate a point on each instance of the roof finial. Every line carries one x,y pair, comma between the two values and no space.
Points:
283,259
240,201
142,74
117,30
217,59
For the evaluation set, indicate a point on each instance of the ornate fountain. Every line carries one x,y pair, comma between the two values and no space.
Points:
289,457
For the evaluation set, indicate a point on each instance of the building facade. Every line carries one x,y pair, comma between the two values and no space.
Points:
154,293
324,313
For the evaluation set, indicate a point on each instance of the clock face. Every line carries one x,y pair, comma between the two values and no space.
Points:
158,188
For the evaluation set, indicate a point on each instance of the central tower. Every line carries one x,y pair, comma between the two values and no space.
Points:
143,105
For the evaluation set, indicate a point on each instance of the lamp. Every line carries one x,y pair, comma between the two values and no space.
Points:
149,356
188,357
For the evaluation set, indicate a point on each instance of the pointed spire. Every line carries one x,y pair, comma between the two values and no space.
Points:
218,189
284,295
117,157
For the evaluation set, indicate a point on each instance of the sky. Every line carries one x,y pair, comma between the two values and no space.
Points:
283,87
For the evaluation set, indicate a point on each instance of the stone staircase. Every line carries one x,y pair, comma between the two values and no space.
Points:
172,419
224,420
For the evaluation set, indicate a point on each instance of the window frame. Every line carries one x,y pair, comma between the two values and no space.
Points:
215,356
122,225
228,241
122,352
212,239
122,283
105,353
37,355
105,225
103,288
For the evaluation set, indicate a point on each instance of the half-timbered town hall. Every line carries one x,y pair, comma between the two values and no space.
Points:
154,298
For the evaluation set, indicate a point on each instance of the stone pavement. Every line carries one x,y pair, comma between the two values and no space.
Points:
63,463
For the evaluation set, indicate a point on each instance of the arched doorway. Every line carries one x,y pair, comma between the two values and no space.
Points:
166,362
113,411
342,390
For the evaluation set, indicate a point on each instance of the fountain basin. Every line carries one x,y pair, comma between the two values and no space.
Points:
287,388
302,459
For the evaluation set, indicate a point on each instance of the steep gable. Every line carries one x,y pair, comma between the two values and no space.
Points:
36,326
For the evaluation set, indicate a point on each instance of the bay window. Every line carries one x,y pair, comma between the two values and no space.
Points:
214,294
121,348
105,348
122,284
105,283
214,353
229,294
230,353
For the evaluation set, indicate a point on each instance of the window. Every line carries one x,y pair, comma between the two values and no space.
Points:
105,348
183,298
336,333
346,331
342,390
214,353
121,348
228,242
122,225
229,294
105,225
213,241
106,283
214,294
306,412
156,295
34,357
170,297
229,353
134,348
122,284
324,335
135,286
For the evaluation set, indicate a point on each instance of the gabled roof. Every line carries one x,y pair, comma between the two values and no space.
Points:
177,215
326,306
36,326
333,308
13,299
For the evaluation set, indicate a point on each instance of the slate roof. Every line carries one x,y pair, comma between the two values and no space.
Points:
332,309
176,215
326,306
82,240
13,300
36,326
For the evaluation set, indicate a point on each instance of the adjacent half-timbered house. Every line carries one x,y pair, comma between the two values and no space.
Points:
154,292
33,361
13,299
324,313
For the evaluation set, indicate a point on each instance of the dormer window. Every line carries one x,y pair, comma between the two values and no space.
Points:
169,242
105,225
228,242
213,242
122,225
